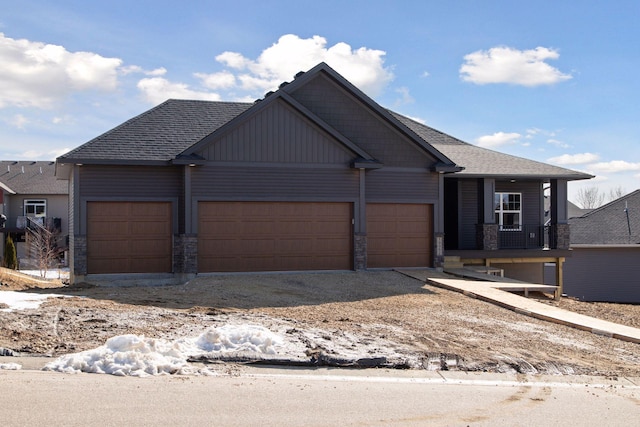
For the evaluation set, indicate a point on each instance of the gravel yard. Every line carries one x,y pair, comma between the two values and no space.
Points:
373,314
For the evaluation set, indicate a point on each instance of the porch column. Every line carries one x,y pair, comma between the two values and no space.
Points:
486,228
185,241
486,201
560,235
360,226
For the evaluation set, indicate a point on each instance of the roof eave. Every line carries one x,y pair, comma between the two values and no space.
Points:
546,178
6,188
112,162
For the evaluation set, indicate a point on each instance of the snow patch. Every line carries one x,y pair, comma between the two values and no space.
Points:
22,300
133,355
10,366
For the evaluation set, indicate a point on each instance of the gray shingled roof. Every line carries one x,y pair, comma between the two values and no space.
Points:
26,177
162,133
481,162
159,134
607,225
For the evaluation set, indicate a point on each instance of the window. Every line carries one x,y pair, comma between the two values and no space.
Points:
509,211
35,208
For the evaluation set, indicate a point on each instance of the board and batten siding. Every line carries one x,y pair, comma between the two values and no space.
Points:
610,274
360,124
278,134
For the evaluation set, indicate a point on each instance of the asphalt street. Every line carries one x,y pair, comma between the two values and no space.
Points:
316,397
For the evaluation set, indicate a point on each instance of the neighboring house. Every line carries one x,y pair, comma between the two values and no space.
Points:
573,210
30,191
605,260
315,176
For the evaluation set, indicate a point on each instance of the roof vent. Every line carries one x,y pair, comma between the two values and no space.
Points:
298,74
40,170
22,169
283,84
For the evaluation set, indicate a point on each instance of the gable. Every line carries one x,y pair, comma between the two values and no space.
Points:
277,133
356,121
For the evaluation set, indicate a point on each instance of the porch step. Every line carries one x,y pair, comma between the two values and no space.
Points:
452,262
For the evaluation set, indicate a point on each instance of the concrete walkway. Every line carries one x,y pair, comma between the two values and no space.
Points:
488,291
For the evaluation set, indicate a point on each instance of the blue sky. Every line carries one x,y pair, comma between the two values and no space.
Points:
554,81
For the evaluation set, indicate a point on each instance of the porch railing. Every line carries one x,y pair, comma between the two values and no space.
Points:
525,237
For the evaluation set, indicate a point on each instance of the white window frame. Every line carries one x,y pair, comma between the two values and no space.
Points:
35,203
502,208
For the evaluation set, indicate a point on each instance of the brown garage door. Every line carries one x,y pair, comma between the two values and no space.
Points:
399,235
129,237
273,236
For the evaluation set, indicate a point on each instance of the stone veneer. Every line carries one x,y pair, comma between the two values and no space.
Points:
487,237
185,253
359,251
78,246
563,236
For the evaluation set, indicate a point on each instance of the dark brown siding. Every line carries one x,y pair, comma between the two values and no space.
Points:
130,181
399,235
346,114
133,182
278,134
603,274
128,237
395,185
274,236
237,183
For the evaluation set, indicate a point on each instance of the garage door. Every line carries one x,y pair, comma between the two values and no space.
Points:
129,237
399,235
274,236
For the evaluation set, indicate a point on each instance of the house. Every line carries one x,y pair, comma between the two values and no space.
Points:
314,176
605,260
30,194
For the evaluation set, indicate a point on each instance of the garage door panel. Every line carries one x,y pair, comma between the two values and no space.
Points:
129,237
268,236
399,235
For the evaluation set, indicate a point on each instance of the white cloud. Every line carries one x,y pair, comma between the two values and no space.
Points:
615,166
280,62
159,89
558,143
130,69
18,121
248,79
498,139
35,74
574,159
405,96
215,81
508,65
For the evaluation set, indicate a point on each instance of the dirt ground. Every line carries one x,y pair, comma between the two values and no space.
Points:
384,312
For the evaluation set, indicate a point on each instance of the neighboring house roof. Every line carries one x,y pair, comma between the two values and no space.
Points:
28,177
616,223
172,131
573,211
480,162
